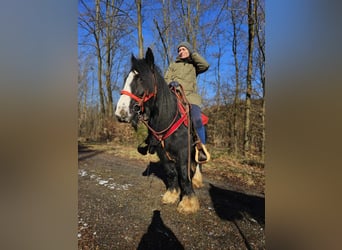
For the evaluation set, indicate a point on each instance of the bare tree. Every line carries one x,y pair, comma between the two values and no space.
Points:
166,32
83,83
251,34
164,29
111,27
260,34
139,27
196,24
109,39
103,24
97,37
237,80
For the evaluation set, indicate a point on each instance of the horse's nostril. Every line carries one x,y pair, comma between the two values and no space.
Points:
118,117
123,114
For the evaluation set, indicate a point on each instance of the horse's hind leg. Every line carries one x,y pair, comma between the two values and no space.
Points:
197,180
172,193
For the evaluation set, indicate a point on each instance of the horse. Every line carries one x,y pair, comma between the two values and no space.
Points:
147,97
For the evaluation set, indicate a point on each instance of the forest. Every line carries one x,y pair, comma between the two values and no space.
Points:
229,34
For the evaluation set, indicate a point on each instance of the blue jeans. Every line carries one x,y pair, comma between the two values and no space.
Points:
197,120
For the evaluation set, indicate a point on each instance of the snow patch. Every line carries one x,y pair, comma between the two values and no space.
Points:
110,184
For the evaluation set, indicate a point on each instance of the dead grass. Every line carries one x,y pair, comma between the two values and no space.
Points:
220,167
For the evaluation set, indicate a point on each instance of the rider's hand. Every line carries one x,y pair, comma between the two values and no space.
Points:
173,84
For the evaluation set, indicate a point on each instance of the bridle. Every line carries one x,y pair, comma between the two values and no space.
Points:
138,108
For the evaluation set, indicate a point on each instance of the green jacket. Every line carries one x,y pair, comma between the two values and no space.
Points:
185,72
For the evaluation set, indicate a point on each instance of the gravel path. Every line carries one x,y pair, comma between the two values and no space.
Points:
120,208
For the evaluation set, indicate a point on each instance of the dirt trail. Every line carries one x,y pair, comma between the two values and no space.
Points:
120,208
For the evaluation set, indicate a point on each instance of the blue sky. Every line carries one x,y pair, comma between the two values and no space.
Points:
204,80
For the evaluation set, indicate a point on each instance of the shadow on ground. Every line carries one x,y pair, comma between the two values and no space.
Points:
84,152
159,236
156,168
229,205
232,205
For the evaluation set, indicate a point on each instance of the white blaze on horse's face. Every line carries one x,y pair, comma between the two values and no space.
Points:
123,112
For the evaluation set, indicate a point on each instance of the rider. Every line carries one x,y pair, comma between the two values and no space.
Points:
184,70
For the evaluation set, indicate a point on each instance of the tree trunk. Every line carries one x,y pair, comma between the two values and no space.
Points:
251,34
167,23
196,25
139,26
261,47
109,40
97,34
237,84
162,40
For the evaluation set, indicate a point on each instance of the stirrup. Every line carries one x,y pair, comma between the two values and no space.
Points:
201,155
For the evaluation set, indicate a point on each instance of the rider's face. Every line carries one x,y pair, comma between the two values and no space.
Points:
183,52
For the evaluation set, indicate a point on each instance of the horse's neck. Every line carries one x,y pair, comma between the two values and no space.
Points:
166,110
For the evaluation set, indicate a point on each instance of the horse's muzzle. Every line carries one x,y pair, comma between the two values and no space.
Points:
123,116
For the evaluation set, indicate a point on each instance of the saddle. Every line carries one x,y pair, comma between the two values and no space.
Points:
201,153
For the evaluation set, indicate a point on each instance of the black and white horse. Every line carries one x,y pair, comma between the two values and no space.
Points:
146,97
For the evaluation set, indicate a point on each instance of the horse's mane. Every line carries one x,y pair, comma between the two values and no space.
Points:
146,73
151,75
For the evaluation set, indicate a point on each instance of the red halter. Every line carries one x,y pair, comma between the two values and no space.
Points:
140,100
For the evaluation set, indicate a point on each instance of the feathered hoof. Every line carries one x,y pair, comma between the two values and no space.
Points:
170,196
197,180
188,205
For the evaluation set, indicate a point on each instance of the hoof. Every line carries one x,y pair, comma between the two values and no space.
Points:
170,196
197,181
188,205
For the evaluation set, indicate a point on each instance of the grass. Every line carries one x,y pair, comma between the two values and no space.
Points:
221,166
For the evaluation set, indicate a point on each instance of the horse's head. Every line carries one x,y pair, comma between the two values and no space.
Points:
139,89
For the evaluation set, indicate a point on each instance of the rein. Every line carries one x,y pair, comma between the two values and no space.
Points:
163,134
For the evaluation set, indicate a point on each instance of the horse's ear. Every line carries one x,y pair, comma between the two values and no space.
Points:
149,58
133,59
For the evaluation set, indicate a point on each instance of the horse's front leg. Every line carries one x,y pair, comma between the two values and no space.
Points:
189,203
173,192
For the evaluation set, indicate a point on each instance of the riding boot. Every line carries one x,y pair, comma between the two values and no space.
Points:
202,156
201,153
